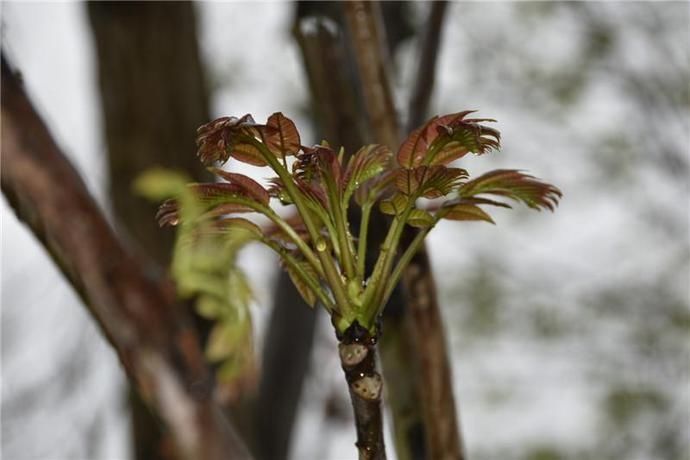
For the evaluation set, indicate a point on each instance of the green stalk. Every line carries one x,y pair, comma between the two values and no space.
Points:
329,268
374,294
319,212
306,277
362,244
341,231
289,231
404,260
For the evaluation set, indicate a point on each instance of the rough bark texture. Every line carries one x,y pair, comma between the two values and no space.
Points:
153,98
427,55
412,328
357,350
156,346
368,40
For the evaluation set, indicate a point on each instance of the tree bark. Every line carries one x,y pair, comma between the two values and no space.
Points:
357,350
154,98
151,335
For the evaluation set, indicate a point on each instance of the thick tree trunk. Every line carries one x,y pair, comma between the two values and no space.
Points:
157,348
153,97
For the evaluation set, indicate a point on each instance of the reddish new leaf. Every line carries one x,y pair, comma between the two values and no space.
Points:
318,163
251,188
467,211
217,139
168,213
515,185
428,181
281,135
444,139
451,151
247,153
414,147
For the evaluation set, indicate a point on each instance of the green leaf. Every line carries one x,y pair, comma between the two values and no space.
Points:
241,228
420,219
227,337
466,211
373,189
516,185
366,164
394,206
303,288
210,307
159,183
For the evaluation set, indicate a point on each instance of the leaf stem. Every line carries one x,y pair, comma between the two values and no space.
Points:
294,264
362,243
329,268
403,261
346,256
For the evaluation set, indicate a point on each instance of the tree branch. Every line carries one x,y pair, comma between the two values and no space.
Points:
369,43
357,350
156,346
413,343
426,69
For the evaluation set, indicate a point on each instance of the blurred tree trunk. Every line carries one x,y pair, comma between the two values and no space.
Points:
153,97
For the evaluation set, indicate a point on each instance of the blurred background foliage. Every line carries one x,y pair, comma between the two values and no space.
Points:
570,333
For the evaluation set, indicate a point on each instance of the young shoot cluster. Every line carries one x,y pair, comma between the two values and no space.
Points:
317,244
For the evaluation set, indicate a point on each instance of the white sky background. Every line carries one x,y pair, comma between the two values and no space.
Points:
594,241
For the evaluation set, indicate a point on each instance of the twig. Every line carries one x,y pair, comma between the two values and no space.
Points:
426,69
157,348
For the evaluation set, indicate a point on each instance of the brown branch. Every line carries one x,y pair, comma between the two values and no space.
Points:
413,343
426,67
137,314
357,350
369,42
